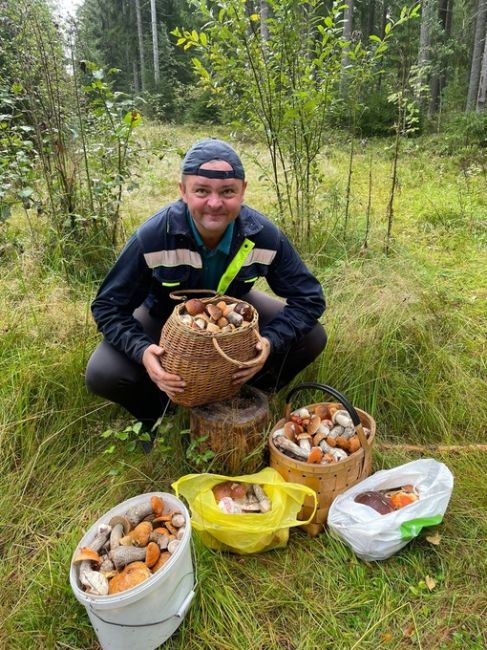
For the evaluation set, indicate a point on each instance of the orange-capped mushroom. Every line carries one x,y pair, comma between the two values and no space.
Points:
139,536
87,553
163,558
315,455
402,499
157,505
152,554
131,576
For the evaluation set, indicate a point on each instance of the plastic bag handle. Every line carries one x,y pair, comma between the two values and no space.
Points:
241,364
182,294
340,397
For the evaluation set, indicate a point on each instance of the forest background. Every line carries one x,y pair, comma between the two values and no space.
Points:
363,128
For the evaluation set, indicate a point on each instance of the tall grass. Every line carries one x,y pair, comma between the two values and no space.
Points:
405,344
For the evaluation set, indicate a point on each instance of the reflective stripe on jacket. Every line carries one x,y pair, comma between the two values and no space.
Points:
162,256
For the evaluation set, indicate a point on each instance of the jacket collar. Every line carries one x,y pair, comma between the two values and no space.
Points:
246,224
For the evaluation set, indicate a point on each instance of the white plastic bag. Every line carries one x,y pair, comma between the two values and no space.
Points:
373,536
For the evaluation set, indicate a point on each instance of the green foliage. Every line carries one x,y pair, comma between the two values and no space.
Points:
464,130
129,437
406,341
286,84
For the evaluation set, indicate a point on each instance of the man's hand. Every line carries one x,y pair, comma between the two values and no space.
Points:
244,374
170,384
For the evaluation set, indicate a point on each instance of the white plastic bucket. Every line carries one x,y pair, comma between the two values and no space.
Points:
145,616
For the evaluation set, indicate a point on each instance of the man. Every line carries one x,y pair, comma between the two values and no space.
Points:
207,239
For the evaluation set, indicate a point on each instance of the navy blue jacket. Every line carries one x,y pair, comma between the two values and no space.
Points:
162,256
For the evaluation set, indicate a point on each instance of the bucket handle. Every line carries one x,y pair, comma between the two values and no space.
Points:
339,396
241,364
182,609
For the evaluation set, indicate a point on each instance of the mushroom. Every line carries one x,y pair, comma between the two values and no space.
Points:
161,539
163,558
245,310
180,533
139,536
354,444
263,499
314,424
343,418
290,430
234,318
157,505
172,547
284,443
315,455
322,411
152,553
304,441
336,431
123,555
178,520
86,553
120,527
131,576
194,306
135,514
94,581
214,312
101,537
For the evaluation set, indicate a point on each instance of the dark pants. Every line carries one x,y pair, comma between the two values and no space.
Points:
114,376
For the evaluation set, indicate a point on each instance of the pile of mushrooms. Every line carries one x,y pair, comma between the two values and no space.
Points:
130,548
234,498
213,318
321,435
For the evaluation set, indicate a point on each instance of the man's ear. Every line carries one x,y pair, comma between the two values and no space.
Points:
182,190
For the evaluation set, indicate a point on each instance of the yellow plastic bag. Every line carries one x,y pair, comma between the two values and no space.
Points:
247,532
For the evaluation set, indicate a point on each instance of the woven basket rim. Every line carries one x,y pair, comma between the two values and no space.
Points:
329,468
221,335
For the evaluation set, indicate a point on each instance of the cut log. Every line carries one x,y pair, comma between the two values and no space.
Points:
235,430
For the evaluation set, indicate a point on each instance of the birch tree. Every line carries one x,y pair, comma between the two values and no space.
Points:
347,37
478,49
140,37
155,45
482,94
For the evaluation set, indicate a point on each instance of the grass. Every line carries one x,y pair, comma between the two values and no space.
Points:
406,344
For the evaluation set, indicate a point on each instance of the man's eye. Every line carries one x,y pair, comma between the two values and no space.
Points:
200,192
229,193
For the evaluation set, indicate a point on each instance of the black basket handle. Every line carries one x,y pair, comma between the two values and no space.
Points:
340,397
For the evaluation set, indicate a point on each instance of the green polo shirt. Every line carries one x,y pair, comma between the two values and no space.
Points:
215,261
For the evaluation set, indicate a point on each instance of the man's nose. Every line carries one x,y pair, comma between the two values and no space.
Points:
214,200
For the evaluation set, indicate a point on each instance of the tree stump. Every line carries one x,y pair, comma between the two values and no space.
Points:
234,430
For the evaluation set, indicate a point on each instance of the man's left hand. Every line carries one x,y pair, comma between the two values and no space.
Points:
244,374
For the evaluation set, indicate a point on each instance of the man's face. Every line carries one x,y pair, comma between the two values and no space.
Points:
213,202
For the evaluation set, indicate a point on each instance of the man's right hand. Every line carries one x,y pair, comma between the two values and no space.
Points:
170,384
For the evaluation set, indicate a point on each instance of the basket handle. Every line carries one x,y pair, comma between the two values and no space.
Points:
340,397
241,364
182,294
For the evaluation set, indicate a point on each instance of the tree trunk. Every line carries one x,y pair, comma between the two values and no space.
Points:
424,52
482,94
478,48
141,44
370,20
347,36
438,80
155,45
264,16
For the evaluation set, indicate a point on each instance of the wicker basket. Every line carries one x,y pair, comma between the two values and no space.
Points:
205,360
328,481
